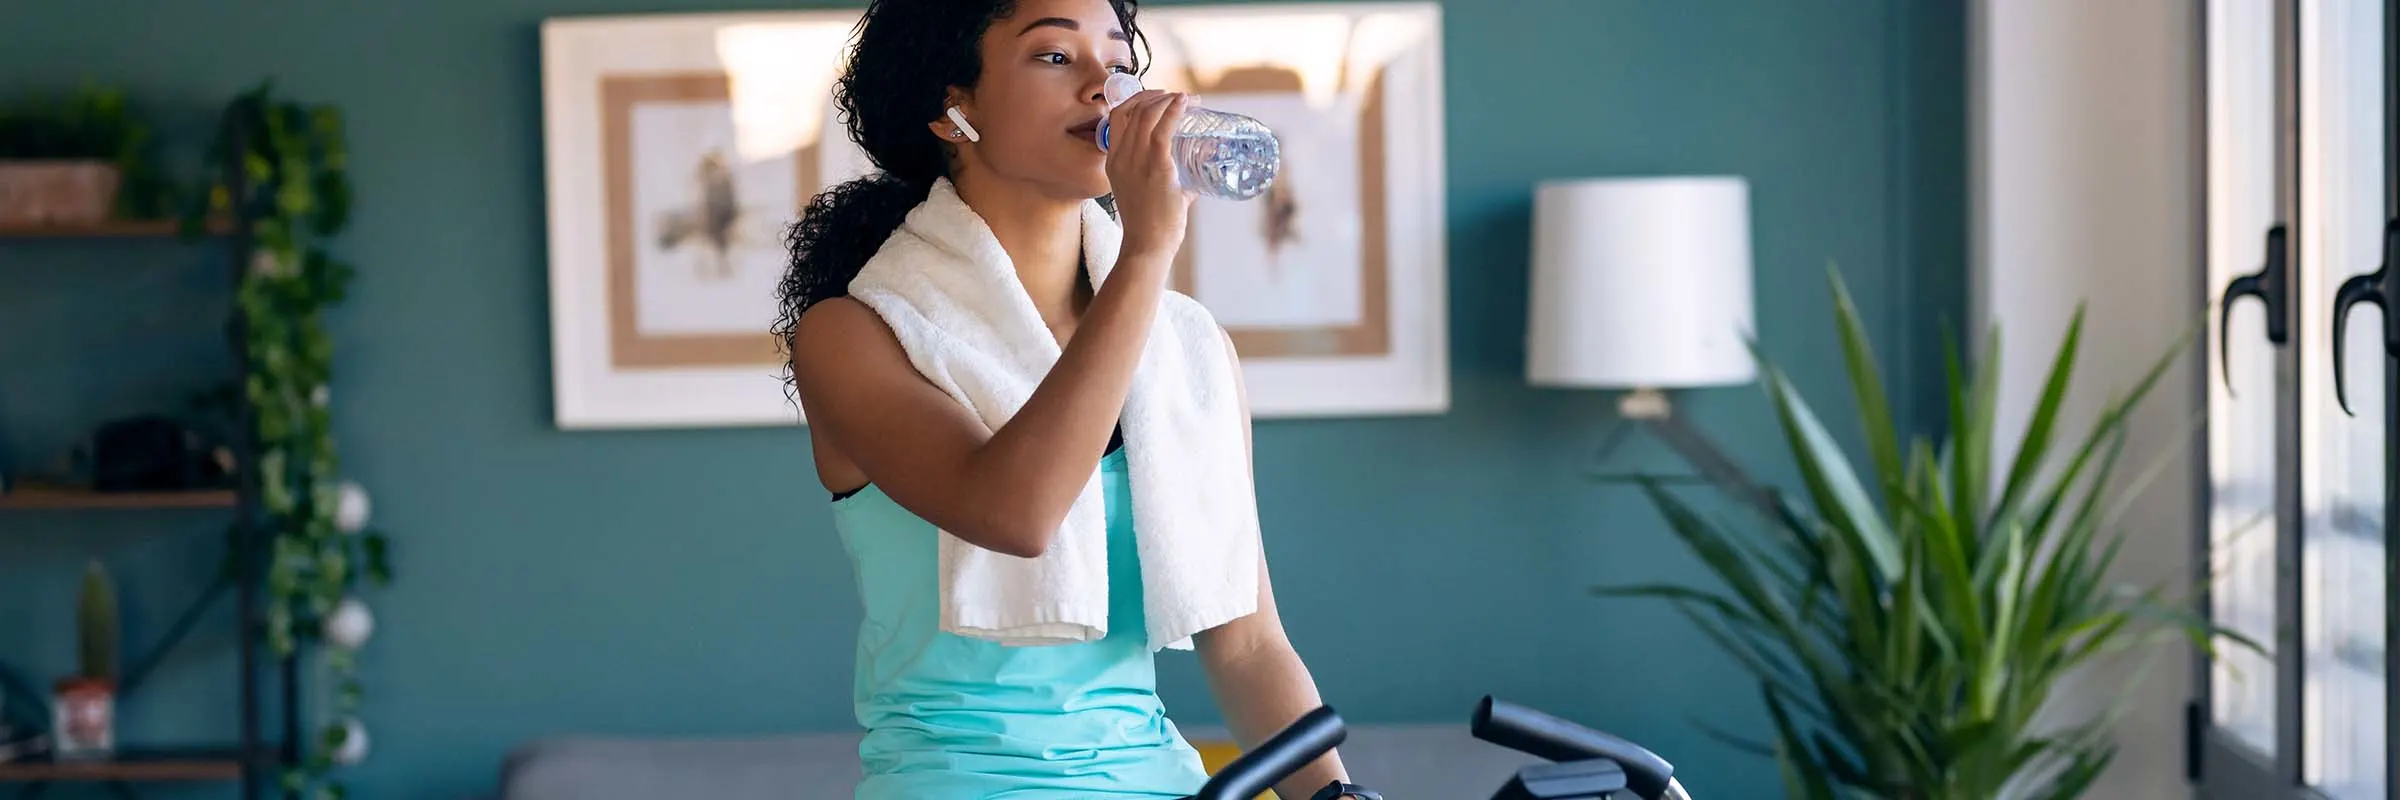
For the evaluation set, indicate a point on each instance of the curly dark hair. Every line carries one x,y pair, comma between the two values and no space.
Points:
906,56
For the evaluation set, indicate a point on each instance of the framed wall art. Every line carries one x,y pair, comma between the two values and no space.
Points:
679,147
1333,283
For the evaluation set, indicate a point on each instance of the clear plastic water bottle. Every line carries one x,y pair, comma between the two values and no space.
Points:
1218,154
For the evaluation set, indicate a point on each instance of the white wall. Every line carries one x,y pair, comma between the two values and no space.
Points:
2085,185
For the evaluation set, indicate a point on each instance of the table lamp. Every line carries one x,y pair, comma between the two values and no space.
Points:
1643,284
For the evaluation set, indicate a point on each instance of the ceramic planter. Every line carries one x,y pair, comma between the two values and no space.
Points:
58,192
84,713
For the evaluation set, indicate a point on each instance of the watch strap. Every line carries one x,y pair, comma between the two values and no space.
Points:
1341,789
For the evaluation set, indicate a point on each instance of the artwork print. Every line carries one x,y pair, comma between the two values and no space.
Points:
682,148
696,244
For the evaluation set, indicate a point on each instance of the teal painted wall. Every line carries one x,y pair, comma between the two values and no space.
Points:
689,584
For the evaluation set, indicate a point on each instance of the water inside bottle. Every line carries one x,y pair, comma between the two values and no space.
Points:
1217,153
1226,155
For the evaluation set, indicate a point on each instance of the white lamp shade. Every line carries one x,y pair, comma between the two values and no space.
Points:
1640,283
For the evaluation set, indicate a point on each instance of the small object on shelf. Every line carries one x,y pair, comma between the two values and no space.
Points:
58,191
151,454
84,704
80,159
148,461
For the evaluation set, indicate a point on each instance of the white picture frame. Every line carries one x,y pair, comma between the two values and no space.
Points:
1366,336
1310,348
661,304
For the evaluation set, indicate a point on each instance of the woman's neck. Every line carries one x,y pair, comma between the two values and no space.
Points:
1044,240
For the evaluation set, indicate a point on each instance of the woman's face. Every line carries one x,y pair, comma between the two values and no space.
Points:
1039,101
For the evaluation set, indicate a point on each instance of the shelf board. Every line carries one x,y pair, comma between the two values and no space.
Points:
130,765
56,498
109,229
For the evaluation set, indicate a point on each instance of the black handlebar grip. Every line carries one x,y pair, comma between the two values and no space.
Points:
1314,734
1544,736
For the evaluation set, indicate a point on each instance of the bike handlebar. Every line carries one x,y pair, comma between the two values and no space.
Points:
1496,721
1314,734
1544,736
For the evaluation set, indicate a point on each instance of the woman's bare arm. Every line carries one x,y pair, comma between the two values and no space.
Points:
1005,491
1255,673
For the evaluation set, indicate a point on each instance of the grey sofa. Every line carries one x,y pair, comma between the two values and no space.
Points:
1408,762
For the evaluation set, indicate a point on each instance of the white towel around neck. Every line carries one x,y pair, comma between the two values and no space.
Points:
952,297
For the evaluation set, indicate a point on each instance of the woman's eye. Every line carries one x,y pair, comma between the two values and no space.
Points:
1055,59
1124,68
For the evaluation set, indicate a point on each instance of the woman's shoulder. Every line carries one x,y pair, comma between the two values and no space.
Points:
838,319
841,333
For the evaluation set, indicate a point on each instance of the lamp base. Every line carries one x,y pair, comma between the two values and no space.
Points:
1645,404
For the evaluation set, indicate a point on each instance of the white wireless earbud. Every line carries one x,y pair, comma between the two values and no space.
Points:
961,120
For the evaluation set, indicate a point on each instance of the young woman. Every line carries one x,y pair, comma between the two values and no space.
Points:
950,716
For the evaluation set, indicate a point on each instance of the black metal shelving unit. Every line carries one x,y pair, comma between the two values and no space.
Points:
253,759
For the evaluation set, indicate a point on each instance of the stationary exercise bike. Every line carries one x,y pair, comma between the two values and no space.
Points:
1585,764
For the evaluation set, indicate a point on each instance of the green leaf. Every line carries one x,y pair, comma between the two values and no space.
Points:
1994,677
1721,555
379,557
2036,442
1801,776
1972,435
1827,471
1752,656
1866,384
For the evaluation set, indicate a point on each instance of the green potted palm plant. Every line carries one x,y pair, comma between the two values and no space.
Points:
1907,621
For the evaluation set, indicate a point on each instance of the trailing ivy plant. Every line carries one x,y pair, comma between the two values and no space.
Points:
287,185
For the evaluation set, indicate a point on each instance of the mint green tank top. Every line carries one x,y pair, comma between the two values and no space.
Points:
949,716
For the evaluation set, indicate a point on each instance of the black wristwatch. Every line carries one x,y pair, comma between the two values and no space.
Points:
1338,789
